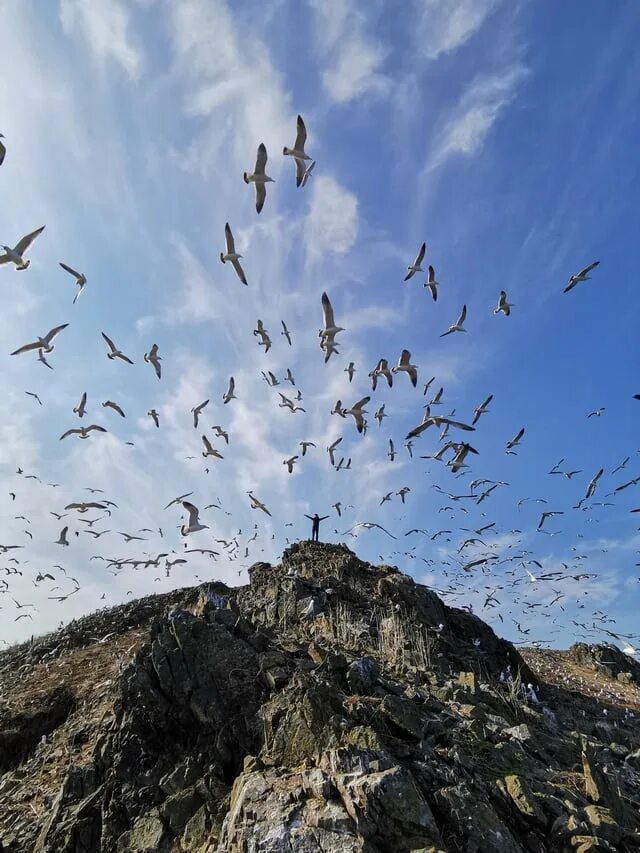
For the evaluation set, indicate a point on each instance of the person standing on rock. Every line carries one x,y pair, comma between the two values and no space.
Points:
315,525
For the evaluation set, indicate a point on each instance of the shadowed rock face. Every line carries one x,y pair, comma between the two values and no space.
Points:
330,705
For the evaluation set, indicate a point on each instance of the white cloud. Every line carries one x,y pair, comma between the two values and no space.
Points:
476,114
331,226
446,25
354,56
106,26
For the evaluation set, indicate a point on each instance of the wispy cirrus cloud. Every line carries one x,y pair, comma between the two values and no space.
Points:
477,111
106,26
444,26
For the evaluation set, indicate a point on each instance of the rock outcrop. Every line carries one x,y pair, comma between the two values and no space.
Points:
330,705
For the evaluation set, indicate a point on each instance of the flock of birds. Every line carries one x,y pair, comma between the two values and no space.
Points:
475,552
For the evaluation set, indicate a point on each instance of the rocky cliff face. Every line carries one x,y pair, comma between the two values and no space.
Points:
330,705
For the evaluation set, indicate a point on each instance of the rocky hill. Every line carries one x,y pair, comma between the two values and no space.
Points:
330,705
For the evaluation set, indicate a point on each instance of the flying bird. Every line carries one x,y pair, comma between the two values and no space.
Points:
298,152
231,255
546,515
196,413
154,416
368,525
34,395
193,524
357,411
583,275
43,344
109,404
259,177
80,278
15,256
415,267
114,352
62,539
481,410
503,306
154,360
431,284
290,462
457,326
593,485
256,504
209,449
350,370
230,392
81,408
404,366
515,441
83,432
286,332
307,173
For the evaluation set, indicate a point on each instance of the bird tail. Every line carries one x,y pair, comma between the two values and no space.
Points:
286,150
245,178
222,258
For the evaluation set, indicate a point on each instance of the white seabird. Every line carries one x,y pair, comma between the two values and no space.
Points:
298,152
258,177
231,255
583,275
357,411
196,412
503,306
194,523
209,449
154,359
481,410
15,256
415,267
457,326
114,352
431,283
404,366
229,393
83,432
43,344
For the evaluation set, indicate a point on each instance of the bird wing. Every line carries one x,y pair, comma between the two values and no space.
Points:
327,312
361,403
239,271
462,317
420,255
70,270
301,135
55,331
109,342
431,275
228,237
405,358
95,427
232,386
300,171
64,435
193,512
27,348
3,151
23,244
588,269
458,425
261,194
261,160
4,259
207,444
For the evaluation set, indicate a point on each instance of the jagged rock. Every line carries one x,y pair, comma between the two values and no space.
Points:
219,720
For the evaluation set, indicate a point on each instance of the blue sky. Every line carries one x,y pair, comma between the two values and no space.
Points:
500,133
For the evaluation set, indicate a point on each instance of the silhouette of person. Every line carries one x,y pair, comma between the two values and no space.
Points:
315,524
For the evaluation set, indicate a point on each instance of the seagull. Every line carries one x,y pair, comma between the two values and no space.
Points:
404,366
515,441
43,344
415,267
270,378
381,369
457,326
462,451
80,278
304,445
428,385
194,523
597,413
154,359
380,414
116,408
209,449
481,410
350,370
286,332
298,152
83,432
358,411
307,173
546,515
231,255
290,463
259,178
431,283
429,420
386,498
593,484
114,352
154,416
256,504
177,500
330,329
15,255
503,306
220,433
331,450
229,393
391,453
196,413
35,397
3,149
583,275
368,525
81,408
403,491
62,539
289,377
